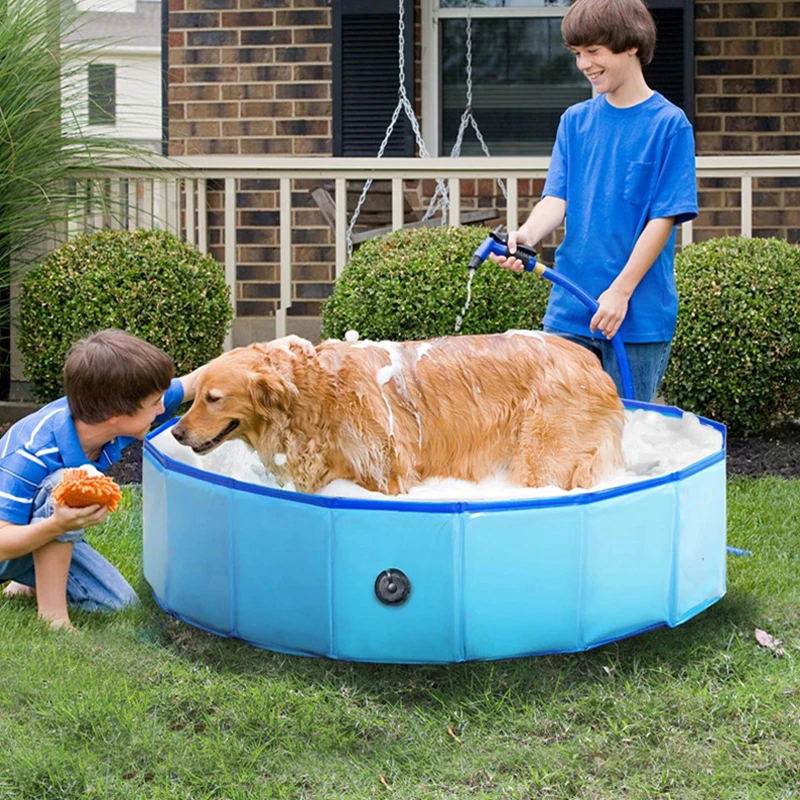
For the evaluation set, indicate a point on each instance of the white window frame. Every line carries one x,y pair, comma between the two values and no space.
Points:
431,74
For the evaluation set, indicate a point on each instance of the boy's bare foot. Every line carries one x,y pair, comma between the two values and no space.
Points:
15,589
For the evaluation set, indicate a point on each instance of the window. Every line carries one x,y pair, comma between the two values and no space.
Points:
365,77
102,94
522,77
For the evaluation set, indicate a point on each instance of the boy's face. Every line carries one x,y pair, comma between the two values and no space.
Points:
138,424
606,71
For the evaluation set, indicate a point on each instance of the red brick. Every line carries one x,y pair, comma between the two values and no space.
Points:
212,110
248,19
752,47
778,66
262,110
759,10
304,145
248,55
707,124
266,74
266,146
303,127
312,108
205,55
211,74
246,127
210,147
186,92
259,271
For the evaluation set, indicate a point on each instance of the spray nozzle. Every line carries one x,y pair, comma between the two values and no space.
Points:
497,242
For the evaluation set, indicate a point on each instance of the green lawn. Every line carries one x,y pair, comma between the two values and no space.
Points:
139,705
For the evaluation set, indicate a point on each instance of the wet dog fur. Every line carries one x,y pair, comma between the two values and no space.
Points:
388,416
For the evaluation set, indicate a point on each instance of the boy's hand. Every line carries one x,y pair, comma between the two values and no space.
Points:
73,519
511,263
286,342
611,313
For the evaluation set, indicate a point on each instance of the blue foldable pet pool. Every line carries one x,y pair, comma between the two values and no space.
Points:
433,582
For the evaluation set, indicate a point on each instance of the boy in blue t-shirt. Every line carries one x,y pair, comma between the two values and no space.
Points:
116,386
622,173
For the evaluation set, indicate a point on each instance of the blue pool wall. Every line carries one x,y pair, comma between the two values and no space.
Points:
296,573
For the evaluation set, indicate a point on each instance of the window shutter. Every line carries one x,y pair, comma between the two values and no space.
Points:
671,71
365,69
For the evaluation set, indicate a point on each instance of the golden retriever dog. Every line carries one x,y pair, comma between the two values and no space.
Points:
389,415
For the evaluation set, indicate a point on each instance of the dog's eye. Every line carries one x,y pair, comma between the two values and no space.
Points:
213,397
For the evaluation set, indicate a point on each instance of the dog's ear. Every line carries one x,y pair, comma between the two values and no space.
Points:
272,385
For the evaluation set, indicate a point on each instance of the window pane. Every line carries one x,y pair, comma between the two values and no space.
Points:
522,80
102,94
504,3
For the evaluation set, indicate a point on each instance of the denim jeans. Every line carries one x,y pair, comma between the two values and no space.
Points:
93,583
648,362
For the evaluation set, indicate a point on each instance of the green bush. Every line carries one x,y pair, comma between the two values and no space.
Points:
736,353
412,284
148,283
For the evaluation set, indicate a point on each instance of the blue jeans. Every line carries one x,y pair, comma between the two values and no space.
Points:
648,362
93,583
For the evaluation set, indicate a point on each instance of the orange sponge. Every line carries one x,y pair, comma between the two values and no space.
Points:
78,488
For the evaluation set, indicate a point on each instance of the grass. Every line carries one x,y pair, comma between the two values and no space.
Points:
139,705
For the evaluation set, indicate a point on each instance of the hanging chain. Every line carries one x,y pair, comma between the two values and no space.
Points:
467,118
403,104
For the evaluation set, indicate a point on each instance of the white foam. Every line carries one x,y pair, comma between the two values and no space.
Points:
653,444
423,350
531,334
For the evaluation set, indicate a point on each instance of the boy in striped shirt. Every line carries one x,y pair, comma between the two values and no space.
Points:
116,386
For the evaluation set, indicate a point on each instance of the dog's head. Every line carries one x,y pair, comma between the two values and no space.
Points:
237,395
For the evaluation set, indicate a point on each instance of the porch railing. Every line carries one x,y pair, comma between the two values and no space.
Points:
171,193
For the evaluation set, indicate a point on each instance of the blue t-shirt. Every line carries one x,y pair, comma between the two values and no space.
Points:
617,169
46,441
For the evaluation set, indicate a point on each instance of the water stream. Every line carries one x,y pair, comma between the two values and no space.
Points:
460,317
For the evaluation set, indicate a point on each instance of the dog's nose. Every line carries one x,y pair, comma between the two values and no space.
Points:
179,433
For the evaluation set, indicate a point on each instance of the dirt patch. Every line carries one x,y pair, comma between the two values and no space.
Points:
775,453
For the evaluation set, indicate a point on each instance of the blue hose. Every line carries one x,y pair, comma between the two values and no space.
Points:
593,305
496,243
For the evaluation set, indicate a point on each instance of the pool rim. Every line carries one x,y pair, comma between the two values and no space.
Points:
448,506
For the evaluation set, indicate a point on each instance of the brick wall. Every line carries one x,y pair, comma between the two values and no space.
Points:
748,102
253,77
255,80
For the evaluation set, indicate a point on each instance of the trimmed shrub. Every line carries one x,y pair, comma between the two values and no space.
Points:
736,353
148,283
412,284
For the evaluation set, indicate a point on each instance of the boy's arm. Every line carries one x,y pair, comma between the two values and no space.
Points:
546,216
51,562
19,540
614,300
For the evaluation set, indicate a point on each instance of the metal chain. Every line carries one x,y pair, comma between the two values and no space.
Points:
467,118
403,104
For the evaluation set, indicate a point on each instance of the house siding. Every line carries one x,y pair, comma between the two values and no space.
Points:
255,77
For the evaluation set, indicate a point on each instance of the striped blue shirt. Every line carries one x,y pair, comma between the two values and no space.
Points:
46,441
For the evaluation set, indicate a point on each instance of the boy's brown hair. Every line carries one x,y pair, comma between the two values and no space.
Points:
111,372
615,24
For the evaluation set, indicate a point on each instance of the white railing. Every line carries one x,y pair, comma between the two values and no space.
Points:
171,193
